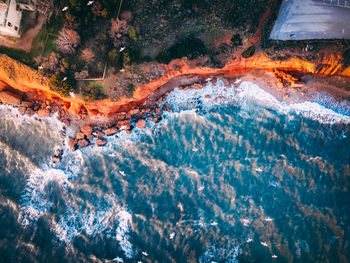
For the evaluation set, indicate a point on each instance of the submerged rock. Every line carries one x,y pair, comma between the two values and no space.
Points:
111,131
8,97
141,124
56,158
166,107
22,110
123,125
100,142
86,129
43,113
83,143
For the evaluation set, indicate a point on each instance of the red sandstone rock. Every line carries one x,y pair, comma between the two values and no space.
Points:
72,142
197,86
89,136
43,113
100,142
66,122
134,111
100,133
59,152
141,124
120,116
86,129
29,112
80,136
159,111
8,97
123,125
83,143
56,158
111,131
22,110
166,107
27,104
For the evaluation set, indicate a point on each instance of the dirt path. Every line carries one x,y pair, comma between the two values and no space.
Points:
257,37
25,42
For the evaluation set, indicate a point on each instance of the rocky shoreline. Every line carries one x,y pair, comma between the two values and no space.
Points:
95,121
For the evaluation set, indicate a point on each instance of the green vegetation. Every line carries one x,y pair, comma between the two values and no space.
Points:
346,56
248,52
19,55
132,33
94,93
190,47
62,85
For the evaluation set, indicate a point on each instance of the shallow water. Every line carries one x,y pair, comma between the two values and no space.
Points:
237,177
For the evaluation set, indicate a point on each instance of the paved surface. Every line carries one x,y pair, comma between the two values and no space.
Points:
25,42
312,19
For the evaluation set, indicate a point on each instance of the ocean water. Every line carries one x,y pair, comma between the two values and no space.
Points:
230,175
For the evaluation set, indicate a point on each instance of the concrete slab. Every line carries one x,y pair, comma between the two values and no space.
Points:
312,19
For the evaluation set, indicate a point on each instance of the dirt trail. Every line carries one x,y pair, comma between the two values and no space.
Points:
25,42
257,37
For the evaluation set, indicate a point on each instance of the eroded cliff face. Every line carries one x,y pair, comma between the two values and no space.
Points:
22,79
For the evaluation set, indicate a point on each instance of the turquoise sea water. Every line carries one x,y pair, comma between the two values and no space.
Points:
237,177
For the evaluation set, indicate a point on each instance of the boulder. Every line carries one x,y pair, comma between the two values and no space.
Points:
123,125
72,143
59,152
9,97
83,143
89,136
141,124
120,116
80,136
22,110
111,131
29,112
56,158
43,113
27,104
134,111
100,142
159,111
166,107
86,129
100,133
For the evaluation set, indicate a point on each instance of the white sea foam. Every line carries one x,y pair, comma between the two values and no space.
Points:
247,93
227,254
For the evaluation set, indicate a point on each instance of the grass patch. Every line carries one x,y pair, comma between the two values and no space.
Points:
19,55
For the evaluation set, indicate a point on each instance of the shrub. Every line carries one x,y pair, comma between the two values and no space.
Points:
59,84
94,93
132,33
249,52
67,41
118,29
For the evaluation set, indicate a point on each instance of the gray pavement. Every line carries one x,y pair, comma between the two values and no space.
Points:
312,19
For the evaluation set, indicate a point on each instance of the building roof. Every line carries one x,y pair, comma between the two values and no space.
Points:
3,12
312,19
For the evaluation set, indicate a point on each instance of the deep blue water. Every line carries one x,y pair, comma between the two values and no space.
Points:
238,177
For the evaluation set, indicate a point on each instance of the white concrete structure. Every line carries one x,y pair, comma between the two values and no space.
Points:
11,16
312,19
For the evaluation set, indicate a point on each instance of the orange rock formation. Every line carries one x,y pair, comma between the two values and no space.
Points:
23,79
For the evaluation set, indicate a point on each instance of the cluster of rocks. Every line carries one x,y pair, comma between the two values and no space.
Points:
58,156
124,121
30,106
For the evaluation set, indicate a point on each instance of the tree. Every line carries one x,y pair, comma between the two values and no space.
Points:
118,30
51,63
67,41
60,84
87,55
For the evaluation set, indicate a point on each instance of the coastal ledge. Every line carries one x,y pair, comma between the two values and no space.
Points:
29,91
